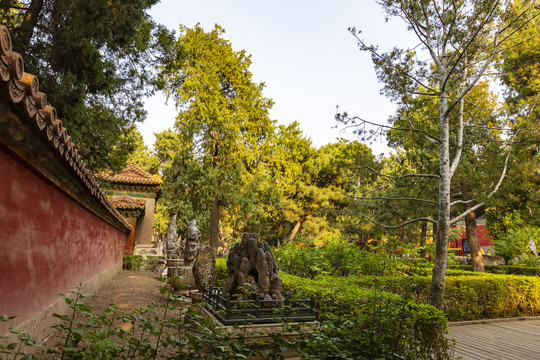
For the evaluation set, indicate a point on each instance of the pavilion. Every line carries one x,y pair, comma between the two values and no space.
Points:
134,192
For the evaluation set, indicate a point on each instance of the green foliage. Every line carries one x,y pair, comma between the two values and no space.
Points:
360,323
519,67
516,242
151,263
338,258
221,127
22,342
154,331
95,62
511,235
520,269
469,297
138,262
382,325
222,274
133,262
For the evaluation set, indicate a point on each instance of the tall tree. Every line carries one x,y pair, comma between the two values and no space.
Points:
223,117
520,69
95,60
461,39
516,209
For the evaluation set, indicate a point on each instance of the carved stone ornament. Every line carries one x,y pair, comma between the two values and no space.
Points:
174,250
191,243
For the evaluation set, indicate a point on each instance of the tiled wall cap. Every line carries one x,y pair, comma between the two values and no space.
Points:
22,90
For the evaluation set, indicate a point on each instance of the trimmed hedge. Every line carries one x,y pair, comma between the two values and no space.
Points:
478,296
503,269
426,271
381,322
132,262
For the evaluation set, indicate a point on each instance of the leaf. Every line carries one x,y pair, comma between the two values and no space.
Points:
61,317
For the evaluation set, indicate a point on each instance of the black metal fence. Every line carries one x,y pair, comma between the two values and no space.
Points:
231,311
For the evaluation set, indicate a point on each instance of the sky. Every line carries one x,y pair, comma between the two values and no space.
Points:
303,52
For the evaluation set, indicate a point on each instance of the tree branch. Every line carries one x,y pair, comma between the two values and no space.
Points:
340,117
471,39
461,202
400,225
393,199
503,174
402,176
372,50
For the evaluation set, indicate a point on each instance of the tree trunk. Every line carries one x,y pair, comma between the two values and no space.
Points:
423,237
214,225
214,213
221,235
295,230
436,291
26,30
476,253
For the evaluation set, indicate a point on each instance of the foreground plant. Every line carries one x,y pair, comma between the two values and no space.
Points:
383,326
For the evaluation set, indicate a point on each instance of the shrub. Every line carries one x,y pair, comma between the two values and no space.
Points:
511,233
133,262
155,331
221,267
361,323
151,263
376,329
338,258
515,243
469,297
502,269
136,262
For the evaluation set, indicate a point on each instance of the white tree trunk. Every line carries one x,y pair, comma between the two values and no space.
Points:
436,292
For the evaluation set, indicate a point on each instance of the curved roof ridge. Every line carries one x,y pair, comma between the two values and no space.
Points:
127,202
131,174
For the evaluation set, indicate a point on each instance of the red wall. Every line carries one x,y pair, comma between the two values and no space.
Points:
484,239
48,243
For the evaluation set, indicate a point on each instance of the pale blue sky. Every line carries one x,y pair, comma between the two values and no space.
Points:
302,51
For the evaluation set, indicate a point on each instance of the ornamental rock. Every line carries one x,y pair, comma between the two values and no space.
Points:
204,268
252,270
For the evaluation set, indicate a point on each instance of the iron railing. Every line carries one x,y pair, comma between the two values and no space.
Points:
229,310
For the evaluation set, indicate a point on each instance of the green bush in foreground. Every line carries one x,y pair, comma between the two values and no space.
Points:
154,332
371,323
381,326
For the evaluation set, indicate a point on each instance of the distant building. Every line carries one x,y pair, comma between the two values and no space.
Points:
134,193
484,239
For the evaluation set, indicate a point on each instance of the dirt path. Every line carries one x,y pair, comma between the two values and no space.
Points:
128,290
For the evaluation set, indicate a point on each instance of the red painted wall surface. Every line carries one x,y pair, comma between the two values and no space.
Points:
48,243
484,239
